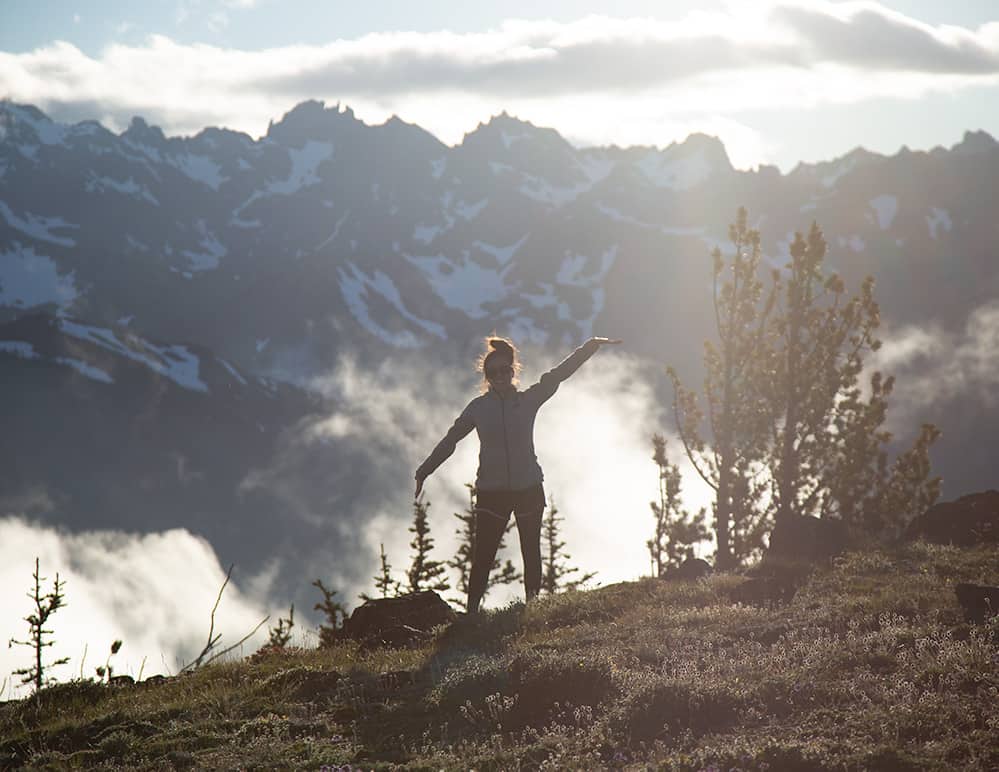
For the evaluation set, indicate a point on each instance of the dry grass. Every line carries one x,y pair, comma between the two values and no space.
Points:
869,667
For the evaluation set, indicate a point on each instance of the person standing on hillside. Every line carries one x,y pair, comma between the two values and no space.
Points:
509,477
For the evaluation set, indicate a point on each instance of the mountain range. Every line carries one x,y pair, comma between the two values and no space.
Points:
168,304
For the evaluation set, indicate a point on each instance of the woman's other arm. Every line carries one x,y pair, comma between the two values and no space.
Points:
462,425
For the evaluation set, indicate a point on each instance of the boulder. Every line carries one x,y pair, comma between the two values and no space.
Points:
808,539
978,601
967,522
765,591
398,621
689,570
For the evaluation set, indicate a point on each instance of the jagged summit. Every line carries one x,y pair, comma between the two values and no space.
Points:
142,133
502,131
311,120
976,142
712,149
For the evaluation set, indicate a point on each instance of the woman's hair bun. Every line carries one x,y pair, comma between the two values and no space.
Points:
500,345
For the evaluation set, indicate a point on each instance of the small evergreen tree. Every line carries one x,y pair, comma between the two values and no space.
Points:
424,573
280,636
335,613
555,565
384,582
45,606
462,561
676,529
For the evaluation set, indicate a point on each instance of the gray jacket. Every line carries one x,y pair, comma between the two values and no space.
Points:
505,426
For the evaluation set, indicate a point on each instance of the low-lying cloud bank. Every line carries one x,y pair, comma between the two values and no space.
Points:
935,367
700,70
154,592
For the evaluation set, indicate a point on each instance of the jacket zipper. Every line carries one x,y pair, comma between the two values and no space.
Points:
506,444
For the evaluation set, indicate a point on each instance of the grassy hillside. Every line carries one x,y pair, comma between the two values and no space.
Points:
868,667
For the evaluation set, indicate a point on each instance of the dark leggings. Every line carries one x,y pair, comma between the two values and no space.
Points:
492,513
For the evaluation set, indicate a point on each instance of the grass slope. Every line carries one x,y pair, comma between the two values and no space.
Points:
869,667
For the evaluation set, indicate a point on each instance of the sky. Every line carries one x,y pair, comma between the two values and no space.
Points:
779,81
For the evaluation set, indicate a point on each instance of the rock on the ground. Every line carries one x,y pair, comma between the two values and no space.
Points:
967,522
398,621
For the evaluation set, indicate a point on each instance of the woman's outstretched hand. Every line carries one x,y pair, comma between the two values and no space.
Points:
419,487
606,341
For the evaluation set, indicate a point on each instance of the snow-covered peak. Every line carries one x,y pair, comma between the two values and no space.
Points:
26,123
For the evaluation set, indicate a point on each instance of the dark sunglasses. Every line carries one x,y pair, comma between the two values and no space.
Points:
496,372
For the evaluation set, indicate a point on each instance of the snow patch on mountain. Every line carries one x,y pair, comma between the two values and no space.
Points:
336,231
37,226
501,254
437,167
94,373
462,284
128,188
200,168
304,165
571,271
677,173
355,286
886,207
233,372
839,171
539,189
19,348
47,131
426,233
667,230
523,329
572,274
595,169
545,300
470,211
938,218
174,361
214,250
29,279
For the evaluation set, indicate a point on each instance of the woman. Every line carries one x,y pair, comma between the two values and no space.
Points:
509,477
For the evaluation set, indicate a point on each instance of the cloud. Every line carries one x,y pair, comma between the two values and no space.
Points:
936,367
868,35
153,591
605,72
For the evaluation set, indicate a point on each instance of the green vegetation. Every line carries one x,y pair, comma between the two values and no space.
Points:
676,530
869,666
424,573
45,606
784,427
